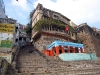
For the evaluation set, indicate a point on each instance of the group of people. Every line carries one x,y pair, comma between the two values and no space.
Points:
21,43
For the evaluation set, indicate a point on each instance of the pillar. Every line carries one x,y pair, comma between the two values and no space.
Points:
51,53
82,50
57,50
68,49
63,49
44,52
48,53
79,50
73,49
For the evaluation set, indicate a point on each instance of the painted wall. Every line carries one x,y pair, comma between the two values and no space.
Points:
7,56
6,36
77,56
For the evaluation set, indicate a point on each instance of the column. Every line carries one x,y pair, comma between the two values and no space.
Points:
57,50
44,52
51,53
63,49
79,50
68,49
73,49
82,50
48,53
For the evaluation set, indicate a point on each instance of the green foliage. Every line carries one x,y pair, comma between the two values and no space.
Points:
44,23
28,29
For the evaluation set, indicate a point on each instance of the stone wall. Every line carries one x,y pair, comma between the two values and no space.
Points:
45,40
89,38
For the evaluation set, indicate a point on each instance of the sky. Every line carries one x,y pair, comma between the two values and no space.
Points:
78,11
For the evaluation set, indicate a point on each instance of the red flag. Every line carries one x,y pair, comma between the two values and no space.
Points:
66,29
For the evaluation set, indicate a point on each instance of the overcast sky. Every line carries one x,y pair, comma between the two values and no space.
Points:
79,11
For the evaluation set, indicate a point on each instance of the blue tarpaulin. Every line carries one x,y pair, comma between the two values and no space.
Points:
58,43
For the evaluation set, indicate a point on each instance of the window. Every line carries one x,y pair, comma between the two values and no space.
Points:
55,16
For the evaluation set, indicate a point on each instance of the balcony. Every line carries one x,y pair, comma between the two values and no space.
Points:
61,32
54,32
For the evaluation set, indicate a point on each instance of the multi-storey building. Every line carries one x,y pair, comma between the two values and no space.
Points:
47,34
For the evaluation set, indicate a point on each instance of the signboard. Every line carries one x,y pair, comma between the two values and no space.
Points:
7,28
6,43
6,35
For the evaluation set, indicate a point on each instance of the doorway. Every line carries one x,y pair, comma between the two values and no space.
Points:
60,51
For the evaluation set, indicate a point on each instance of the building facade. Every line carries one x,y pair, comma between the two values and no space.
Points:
51,33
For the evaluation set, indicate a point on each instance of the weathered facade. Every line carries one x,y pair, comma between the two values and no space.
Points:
89,37
51,32
40,12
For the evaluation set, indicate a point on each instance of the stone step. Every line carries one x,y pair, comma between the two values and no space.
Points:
34,60
44,64
38,64
67,72
30,58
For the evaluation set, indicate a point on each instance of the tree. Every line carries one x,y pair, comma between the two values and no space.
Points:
28,28
47,23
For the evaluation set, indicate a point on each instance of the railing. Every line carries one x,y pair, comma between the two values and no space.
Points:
57,32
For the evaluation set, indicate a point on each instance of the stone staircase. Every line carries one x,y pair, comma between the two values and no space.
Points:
36,63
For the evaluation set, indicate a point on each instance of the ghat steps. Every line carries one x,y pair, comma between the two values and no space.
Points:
36,63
